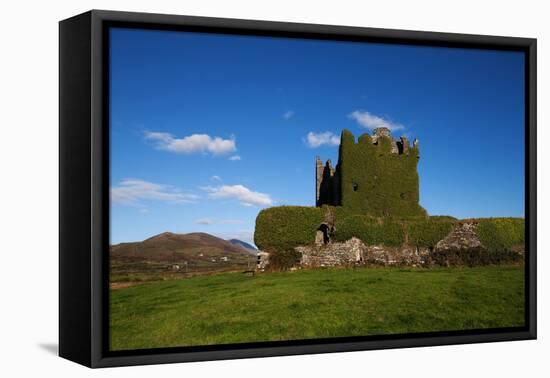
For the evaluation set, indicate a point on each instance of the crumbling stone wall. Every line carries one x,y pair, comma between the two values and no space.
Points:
348,253
354,252
462,237
461,246
327,183
398,256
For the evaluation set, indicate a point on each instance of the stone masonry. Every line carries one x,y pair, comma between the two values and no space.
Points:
462,237
354,252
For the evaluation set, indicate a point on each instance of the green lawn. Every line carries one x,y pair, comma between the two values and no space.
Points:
235,308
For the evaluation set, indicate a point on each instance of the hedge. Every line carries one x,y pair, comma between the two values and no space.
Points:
501,234
283,260
475,257
426,233
285,227
370,230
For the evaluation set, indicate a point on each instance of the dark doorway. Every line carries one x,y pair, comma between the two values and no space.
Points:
324,229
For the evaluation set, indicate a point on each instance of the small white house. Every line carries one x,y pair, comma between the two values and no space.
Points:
262,260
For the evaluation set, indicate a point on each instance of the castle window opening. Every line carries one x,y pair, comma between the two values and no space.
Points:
355,186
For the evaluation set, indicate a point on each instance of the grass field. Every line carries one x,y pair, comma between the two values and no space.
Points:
235,308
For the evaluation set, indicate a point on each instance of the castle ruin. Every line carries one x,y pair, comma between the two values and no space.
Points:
375,175
368,212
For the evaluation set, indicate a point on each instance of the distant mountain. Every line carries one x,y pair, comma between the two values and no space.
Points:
169,247
245,245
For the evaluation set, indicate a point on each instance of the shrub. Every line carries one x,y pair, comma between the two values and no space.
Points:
283,259
475,257
392,231
497,235
370,230
280,229
285,227
426,233
501,234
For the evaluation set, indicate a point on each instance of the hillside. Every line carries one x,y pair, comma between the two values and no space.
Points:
168,253
245,245
167,246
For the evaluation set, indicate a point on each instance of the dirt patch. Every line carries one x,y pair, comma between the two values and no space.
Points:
122,285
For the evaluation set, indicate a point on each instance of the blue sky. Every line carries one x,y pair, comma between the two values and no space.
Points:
206,130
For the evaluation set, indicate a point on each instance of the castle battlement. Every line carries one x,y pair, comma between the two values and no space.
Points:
368,178
398,146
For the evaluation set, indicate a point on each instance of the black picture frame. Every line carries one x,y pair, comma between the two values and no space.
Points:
84,187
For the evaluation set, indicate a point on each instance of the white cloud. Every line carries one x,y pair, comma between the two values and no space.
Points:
192,144
209,221
371,121
288,114
246,196
216,178
132,191
235,158
315,140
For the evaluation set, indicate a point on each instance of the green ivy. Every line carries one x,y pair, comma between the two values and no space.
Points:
426,233
285,227
373,181
501,234
280,260
371,230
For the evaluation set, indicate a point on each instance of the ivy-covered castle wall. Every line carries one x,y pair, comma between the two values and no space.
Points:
375,175
367,211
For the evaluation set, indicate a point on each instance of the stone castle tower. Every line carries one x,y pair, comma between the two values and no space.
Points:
377,175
